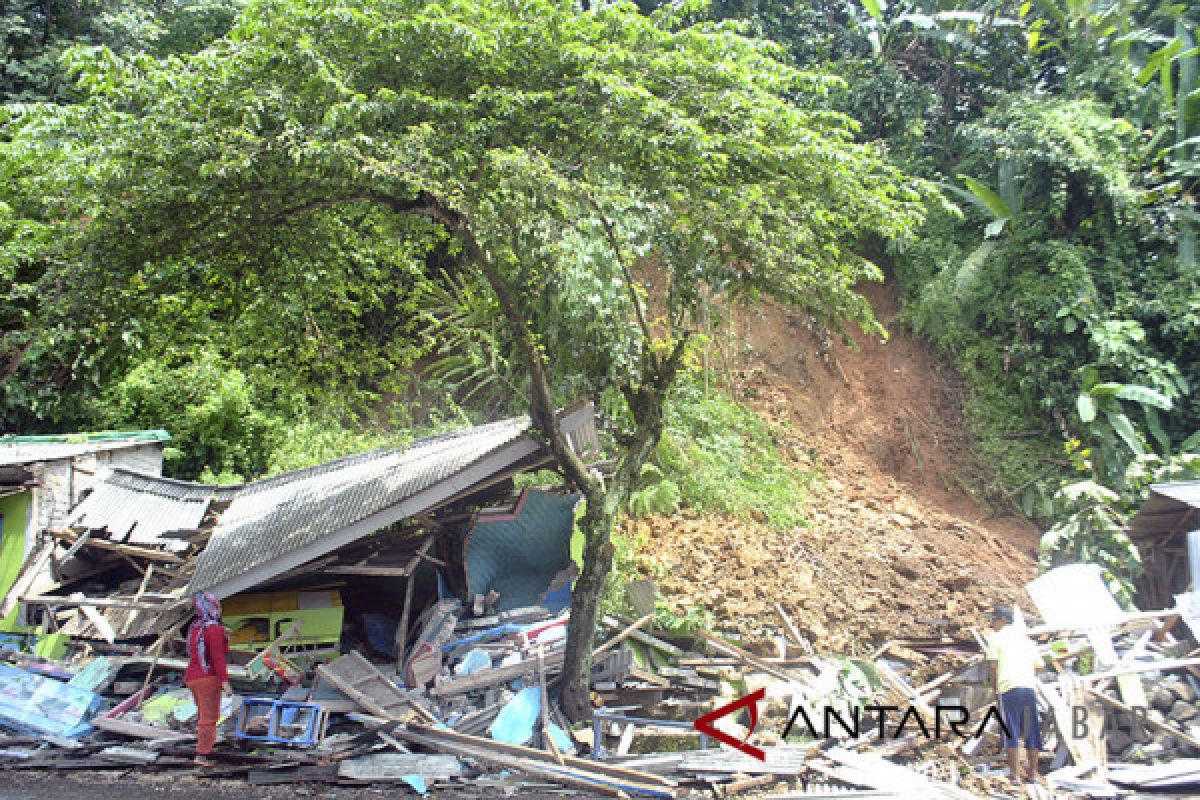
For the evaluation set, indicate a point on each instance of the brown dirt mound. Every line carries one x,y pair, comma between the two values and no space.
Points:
895,545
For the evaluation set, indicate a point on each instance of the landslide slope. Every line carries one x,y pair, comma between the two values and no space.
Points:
894,546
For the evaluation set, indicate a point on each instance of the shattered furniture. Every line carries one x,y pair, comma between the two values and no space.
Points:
272,721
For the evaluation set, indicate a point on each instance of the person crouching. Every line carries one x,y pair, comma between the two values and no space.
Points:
206,675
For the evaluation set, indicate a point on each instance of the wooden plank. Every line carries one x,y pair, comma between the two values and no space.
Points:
728,649
645,638
1131,619
101,625
325,773
147,553
1145,666
368,572
406,614
897,684
490,677
528,752
25,579
585,777
138,729
396,766
74,548
77,601
352,674
466,740
1179,735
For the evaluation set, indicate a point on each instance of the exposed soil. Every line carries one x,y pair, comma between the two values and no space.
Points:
895,545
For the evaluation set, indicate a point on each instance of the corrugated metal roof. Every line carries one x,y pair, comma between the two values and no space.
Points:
156,435
32,449
274,517
139,508
1165,510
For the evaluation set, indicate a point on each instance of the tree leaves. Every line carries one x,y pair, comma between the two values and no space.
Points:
988,198
1138,394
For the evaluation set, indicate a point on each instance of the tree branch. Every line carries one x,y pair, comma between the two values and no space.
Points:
14,362
542,407
611,234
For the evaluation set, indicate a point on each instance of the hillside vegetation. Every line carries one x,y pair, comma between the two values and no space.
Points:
199,231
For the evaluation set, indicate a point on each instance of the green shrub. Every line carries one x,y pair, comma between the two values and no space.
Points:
723,457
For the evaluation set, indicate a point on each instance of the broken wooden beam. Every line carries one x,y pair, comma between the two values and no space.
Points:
363,683
147,553
1145,719
496,675
575,772
79,601
634,632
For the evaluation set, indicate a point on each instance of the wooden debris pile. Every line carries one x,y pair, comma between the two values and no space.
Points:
472,702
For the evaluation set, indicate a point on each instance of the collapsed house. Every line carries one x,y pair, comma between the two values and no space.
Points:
1161,530
42,478
384,532
399,617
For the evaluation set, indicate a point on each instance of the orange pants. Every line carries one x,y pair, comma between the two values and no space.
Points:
207,693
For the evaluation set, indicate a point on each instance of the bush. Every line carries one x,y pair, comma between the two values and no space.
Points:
723,457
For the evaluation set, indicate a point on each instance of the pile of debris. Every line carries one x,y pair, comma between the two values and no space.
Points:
473,704
401,616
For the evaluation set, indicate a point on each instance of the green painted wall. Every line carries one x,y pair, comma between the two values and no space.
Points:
14,511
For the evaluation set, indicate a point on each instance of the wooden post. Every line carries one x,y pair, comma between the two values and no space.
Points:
402,631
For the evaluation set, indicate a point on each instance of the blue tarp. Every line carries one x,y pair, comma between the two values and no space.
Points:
514,723
30,702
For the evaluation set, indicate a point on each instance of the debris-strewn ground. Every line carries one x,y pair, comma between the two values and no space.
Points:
132,786
895,547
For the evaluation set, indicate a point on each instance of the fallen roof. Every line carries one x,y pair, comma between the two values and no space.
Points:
1171,509
275,525
52,447
139,509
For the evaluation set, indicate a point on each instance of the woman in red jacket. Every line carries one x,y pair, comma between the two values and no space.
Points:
206,675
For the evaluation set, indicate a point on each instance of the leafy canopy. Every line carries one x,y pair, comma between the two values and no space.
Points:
561,143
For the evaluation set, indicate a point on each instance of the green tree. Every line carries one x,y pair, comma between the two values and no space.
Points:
561,157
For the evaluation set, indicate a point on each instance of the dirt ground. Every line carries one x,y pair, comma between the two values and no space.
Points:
895,546
118,786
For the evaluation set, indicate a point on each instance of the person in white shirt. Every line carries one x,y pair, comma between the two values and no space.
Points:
1013,662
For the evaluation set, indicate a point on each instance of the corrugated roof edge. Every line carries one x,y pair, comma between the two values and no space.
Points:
1159,487
173,487
169,487
156,435
383,452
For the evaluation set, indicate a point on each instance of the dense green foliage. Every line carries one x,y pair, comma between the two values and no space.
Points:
1068,287
240,207
323,161
254,223
724,457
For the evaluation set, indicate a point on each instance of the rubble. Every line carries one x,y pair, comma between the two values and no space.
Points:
424,655
490,705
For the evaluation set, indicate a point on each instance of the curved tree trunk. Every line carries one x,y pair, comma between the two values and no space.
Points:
604,500
597,525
